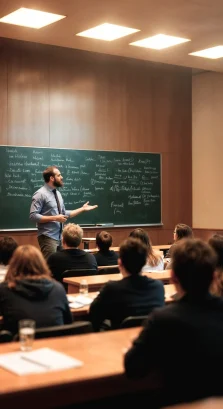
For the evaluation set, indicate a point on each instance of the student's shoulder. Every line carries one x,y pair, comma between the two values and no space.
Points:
58,287
4,286
153,282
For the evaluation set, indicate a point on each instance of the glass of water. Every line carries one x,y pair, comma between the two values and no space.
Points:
83,289
26,334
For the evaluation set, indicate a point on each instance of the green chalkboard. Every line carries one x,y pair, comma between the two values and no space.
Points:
125,185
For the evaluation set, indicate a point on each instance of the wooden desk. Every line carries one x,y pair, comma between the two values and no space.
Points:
83,311
101,376
97,281
161,247
87,240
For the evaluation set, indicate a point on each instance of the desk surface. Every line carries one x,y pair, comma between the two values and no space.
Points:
76,312
158,247
101,375
95,282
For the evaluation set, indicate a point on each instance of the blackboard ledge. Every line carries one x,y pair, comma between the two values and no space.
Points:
24,229
138,225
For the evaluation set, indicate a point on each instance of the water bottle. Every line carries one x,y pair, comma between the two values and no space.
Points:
83,289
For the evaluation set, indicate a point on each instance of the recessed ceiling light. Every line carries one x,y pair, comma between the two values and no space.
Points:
107,32
159,41
213,53
30,18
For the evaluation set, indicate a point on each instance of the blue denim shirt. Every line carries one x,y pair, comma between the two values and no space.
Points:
44,204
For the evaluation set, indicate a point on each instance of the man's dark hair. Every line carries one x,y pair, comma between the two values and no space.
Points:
194,263
216,242
183,230
7,248
103,240
133,255
48,172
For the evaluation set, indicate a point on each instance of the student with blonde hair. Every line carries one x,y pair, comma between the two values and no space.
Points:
29,292
154,258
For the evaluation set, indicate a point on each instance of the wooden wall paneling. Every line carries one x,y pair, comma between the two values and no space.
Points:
105,102
72,103
3,97
22,237
176,189
28,100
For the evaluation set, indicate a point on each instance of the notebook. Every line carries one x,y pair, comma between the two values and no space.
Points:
37,361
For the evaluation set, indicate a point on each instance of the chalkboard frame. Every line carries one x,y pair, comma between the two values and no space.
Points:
88,225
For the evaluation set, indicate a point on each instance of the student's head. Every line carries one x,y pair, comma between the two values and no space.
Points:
27,262
216,242
141,235
132,255
7,248
182,231
53,176
72,235
193,265
103,240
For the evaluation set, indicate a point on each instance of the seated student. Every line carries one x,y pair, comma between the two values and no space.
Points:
71,256
183,341
216,242
154,258
134,295
7,248
181,231
104,256
29,292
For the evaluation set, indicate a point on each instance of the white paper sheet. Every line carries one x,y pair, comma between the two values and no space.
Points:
79,301
37,361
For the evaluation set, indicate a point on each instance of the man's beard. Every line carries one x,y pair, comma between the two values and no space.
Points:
58,184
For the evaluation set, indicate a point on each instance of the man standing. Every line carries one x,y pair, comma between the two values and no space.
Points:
48,211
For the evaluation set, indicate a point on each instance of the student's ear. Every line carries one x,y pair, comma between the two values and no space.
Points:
120,263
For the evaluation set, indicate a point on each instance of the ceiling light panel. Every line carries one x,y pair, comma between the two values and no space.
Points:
31,18
107,32
159,41
213,53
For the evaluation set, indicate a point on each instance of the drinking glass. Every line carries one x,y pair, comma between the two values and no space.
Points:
26,334
83,289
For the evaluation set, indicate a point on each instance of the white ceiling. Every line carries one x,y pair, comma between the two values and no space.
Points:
199,20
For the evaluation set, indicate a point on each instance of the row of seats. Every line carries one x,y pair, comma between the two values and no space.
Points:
79,327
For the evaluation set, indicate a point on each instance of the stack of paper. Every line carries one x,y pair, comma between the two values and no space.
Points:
79,301
37,361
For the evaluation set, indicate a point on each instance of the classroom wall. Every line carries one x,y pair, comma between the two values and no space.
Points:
57,97
207,153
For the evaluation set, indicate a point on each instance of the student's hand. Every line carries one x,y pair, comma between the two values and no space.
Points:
88,207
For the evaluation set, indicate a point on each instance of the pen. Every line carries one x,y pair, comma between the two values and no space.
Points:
32,361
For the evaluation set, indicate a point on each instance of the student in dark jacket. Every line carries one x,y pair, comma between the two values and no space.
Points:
29,292
104,256
133,295
183,341
71,257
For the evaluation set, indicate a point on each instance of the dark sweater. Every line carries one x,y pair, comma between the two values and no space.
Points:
42,300
106,258
184,342
133,295
70,259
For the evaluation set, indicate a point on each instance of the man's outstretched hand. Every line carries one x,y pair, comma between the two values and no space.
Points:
88,207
